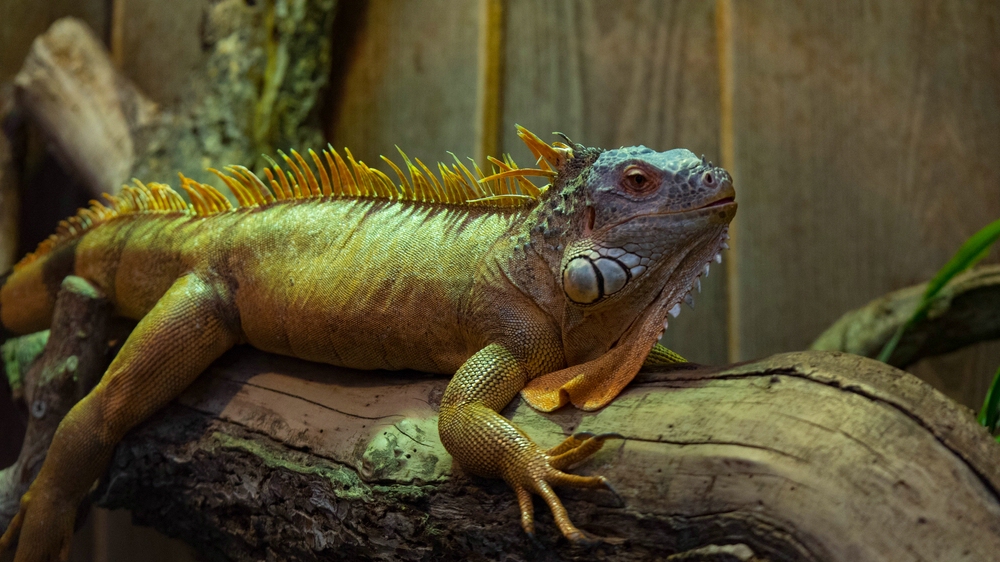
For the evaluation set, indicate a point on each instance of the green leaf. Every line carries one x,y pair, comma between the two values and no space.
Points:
972,251
990,413
969,254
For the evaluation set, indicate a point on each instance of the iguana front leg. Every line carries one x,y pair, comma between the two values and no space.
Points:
486,443
185,331
660,356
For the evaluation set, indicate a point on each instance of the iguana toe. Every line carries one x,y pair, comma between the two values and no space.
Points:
569,453
537,472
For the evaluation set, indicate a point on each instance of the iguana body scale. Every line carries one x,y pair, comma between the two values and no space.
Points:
560,293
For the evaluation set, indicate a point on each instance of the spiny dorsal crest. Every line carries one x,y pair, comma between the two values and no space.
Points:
338,178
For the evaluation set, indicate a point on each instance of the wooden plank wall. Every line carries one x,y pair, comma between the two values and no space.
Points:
611,73
864,139
408,78
861,134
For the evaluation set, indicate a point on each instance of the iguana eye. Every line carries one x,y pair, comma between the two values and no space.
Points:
638,181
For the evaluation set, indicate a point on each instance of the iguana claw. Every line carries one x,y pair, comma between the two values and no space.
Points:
539,474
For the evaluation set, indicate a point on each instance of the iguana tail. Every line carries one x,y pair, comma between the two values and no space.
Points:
28,294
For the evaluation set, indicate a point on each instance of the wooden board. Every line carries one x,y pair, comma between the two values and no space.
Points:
158,45
610,73
864,138
408,78
22,20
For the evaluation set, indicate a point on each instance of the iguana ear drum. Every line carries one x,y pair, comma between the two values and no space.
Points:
586,281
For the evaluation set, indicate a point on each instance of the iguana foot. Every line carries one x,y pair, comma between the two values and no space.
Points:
537,471
43,528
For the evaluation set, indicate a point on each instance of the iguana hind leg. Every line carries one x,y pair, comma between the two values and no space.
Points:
186,330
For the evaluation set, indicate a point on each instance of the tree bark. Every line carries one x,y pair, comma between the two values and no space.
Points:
803,456
73,360
966,311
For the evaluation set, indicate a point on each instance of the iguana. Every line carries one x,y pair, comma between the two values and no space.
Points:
559,293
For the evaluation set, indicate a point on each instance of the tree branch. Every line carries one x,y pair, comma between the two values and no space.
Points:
268,457
966,311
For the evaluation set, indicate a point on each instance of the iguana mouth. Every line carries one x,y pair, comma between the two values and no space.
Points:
713,204
720,202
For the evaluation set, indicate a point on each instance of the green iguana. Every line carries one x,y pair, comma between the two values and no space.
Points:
559,293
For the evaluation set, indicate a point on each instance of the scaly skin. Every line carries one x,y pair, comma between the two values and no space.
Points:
561,298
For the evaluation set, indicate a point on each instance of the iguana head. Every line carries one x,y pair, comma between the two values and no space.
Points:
640,213
626,233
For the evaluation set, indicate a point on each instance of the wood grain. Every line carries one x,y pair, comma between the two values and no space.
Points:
23,20
622,73
158,45
409,79
865,138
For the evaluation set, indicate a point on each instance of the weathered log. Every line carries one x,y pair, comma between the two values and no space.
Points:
75,356
965,312
804,456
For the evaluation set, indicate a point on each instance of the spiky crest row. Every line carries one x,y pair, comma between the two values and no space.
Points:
338,178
